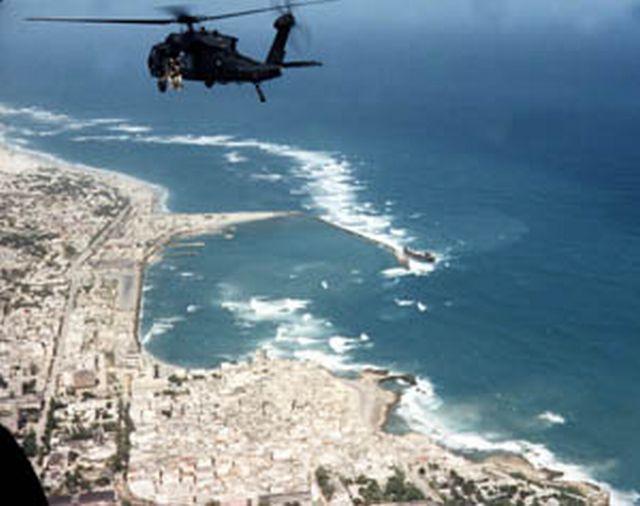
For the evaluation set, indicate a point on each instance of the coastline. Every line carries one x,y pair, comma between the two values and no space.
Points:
141,242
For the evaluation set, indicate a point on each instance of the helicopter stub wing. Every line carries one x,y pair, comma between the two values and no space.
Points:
300,64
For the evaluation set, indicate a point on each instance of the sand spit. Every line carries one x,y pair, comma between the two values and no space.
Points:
101,416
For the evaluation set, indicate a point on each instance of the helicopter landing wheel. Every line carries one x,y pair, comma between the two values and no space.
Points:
163,85
209,83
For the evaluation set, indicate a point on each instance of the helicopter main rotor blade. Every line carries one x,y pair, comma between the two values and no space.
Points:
184,19
259,10
118,21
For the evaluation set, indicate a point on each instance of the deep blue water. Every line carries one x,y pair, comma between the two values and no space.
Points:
502,135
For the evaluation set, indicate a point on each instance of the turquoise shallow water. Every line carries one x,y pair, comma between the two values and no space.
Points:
505,140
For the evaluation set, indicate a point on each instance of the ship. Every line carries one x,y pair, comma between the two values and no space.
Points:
407,254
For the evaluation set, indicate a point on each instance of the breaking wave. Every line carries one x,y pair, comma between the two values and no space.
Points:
234,157
293,331
127,128
420,407
160,326
419,305
552,418
47,123
327,181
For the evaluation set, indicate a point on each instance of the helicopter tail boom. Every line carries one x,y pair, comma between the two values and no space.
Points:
283,26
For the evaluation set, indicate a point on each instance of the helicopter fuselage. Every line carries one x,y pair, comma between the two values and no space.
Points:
207,56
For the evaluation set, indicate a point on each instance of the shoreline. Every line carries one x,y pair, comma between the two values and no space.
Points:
372,397
160,192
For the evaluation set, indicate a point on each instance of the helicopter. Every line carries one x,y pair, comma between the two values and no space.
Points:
209,56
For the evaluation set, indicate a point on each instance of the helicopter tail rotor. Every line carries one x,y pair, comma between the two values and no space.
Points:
289,28
300,39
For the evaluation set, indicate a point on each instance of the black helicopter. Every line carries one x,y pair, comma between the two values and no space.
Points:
208,55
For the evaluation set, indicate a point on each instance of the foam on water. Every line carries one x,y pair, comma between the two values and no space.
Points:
420,407
327,181
295,332
235,157
270,178
128,128
264,309
335,363
342,345
160,326
55,122
396,272
552,418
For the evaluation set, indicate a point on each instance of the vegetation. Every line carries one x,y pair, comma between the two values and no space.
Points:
56,404
103,481
50,424
74,481
573,490
324,482
571,500
397,489
370,491
30,444
29,387
110,426
27,242
80,433
108,210
176,380
69,251
120,460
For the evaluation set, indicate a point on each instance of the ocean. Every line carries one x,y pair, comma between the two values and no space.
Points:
500,135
